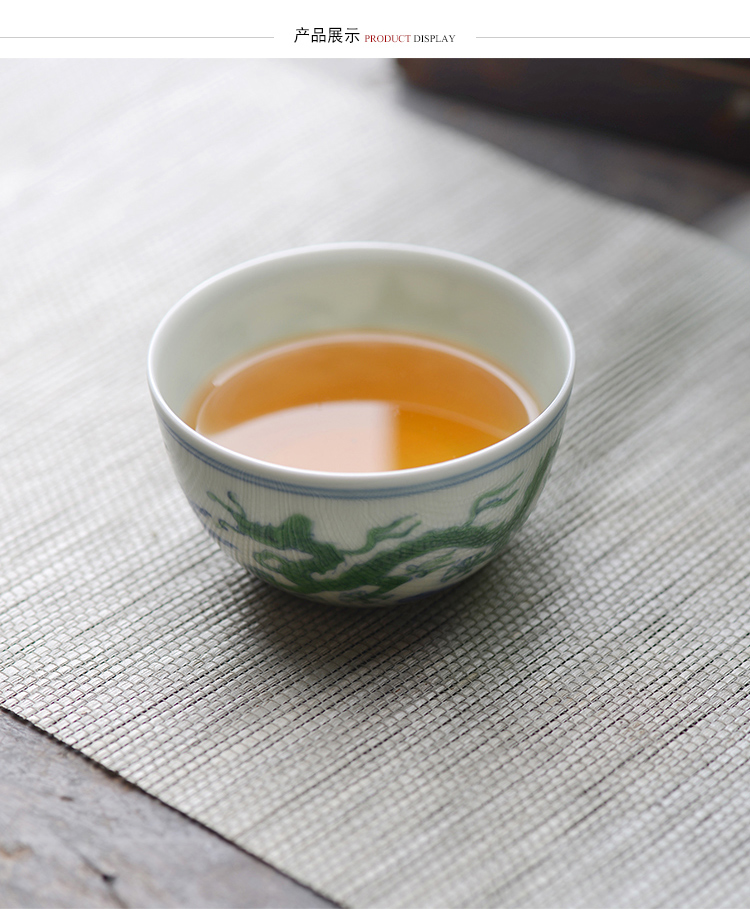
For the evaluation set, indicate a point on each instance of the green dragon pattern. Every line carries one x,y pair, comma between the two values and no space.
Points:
319,568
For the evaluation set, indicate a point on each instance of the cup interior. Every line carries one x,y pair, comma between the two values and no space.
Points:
361,286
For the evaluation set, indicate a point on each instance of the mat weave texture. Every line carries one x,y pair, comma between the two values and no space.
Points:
570,727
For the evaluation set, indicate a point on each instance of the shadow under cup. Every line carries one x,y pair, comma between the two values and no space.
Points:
370,538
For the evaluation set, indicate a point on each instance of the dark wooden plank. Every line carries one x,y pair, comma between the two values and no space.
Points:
699,105
72,834
679,184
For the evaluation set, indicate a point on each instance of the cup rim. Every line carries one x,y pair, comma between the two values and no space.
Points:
473,464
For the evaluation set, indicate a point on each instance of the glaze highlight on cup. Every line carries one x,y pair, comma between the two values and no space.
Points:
367,538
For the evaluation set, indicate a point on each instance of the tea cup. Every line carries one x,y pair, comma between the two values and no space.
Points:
363,539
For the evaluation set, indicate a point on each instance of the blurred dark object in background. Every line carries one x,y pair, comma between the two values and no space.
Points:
698,105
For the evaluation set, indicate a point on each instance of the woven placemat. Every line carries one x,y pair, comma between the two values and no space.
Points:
570,727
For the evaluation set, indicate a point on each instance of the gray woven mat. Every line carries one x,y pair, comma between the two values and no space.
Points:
568,728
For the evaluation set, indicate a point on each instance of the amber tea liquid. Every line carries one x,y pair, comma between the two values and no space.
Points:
360,402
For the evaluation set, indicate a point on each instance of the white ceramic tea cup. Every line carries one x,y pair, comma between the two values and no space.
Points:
363,538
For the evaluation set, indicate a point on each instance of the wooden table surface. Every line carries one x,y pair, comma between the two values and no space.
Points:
73,834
